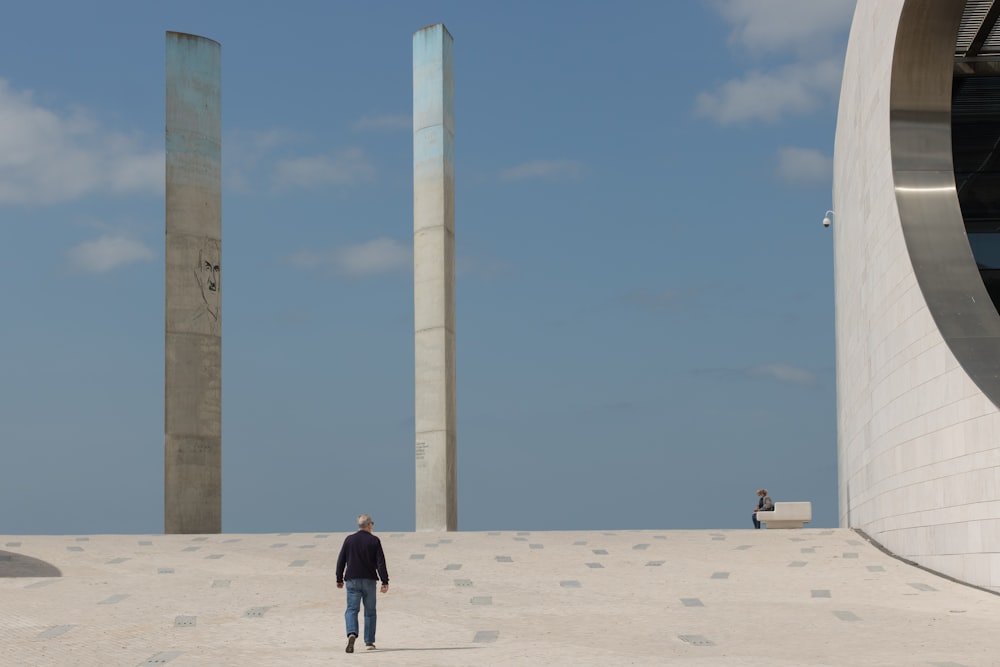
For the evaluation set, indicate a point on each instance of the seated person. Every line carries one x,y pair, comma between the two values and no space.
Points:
764,504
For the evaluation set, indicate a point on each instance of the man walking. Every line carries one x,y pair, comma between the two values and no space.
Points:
360,561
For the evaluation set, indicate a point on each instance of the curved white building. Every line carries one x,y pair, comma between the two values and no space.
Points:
917,273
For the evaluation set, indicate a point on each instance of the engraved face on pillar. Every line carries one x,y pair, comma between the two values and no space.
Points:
208,275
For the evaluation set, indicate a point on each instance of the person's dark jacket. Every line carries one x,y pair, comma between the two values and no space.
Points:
361,557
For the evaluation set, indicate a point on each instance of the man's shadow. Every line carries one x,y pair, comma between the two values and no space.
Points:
423,648
19,565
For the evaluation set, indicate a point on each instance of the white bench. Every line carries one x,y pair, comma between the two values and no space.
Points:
787,515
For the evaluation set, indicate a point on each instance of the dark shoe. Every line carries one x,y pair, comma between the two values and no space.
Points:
371,647
350,643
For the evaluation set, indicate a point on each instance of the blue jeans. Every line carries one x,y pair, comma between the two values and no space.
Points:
358,591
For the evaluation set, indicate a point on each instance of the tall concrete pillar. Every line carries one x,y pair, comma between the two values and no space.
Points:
193,336
434,279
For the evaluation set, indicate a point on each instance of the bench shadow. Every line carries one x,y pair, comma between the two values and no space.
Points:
422,648
18,565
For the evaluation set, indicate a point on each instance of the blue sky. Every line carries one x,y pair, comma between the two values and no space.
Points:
645,291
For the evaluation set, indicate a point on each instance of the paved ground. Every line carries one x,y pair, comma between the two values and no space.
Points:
735,597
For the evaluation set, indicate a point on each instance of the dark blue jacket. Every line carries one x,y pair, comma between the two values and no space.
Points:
362,557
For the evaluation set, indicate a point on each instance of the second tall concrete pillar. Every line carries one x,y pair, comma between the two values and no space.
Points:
434,279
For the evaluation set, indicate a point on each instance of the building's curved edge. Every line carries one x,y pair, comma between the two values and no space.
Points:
875,543
918,463
926,196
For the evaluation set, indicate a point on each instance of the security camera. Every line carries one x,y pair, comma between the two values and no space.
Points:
826,222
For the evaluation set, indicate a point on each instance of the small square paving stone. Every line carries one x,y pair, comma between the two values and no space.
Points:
214,556
854,543
114,599
185,621
190,548
600,552
55,631
659,537
744,547
946,664
444,541
580,543
116,561
826,532
875,568
199,539
165,570
432,545
297,563
486,636
416,556
278,545
520,539
493,533
524,532
320,537
307,546
796,539
720,575
611,534
808,550
535,546
145,543
220,583
718,539
504,559
798,563
640,547
820,593
74,548
43,582
655,563
283,534
696,640
453,566
13,544
846,615
83,539
691,602
594,565
463,582
850,554
255,612
235,539
570,584
161,658
923,587
482,600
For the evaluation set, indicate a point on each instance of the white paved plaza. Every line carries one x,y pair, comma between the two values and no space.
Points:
727,597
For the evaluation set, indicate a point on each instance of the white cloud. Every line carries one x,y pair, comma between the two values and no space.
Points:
776,25
375,257
48,157
107,253
770,95
784,373
551,170
349,167
384,122
814,33
804,165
